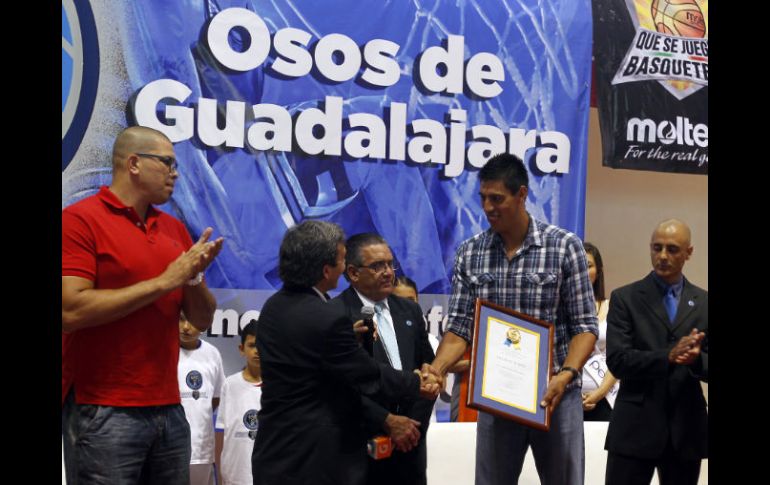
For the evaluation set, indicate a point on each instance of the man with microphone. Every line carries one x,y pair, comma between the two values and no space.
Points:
397,337
314,372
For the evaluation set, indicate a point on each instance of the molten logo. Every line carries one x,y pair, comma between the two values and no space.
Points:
680,131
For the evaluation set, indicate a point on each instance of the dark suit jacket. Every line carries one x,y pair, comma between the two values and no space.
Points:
313,373
414,349
656,399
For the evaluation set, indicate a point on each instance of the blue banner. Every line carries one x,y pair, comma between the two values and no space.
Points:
374,115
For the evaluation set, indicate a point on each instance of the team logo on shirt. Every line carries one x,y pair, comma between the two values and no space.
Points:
194,381
251,422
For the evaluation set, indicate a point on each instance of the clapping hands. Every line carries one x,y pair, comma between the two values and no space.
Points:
687,349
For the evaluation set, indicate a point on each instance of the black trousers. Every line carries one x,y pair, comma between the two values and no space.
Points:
601,412
401,468
627,470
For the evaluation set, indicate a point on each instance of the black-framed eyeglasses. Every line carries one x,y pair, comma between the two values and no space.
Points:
380,266
169,162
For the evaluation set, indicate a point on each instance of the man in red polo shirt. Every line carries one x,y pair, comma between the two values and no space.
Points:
127,271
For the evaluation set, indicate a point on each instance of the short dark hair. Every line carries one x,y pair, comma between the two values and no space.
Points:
249,329
305,249
355,244
404,280
135,138
508,168
599,283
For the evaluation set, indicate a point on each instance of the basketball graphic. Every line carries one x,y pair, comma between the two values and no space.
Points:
683,18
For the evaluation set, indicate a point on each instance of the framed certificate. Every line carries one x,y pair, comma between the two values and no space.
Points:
511,361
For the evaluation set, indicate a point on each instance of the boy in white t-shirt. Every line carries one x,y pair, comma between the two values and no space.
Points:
201,376
237,417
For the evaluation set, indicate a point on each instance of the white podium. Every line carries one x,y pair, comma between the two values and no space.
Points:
452,456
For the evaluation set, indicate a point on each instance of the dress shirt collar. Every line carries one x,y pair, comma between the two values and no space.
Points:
534,237
367,302
665,286
320,293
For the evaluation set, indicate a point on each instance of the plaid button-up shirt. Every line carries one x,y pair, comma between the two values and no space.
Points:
547,278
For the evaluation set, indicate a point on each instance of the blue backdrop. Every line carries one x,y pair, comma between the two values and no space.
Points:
251,196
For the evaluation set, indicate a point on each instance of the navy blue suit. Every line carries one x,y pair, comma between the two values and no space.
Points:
313,375
414,349
660,412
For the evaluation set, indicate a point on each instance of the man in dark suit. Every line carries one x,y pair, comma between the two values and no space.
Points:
401,343
657,347
314,371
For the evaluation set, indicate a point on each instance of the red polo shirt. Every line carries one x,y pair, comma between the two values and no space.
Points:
131,361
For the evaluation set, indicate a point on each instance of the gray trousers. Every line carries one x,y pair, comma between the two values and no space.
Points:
559,453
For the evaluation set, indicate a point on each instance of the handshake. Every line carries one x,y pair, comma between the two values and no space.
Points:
431,381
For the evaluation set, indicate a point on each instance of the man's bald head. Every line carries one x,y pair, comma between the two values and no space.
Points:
136,139
143,167
674,226
669,249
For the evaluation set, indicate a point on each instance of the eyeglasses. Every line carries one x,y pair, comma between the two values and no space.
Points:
169,162
380,266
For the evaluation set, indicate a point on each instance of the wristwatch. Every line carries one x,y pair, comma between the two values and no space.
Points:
195,280
572,370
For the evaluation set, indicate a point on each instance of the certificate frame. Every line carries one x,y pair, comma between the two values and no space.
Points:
492,365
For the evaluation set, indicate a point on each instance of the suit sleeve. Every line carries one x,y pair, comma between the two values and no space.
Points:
374,415
700,368
420,409
349,362
623,359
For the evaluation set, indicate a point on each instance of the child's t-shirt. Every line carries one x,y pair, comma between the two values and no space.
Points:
237,418
200,375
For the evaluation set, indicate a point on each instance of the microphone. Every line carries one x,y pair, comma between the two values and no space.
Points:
367,314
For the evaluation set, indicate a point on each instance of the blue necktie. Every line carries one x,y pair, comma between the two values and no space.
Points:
388,337
670,302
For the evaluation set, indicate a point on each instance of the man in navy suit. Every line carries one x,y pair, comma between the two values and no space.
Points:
314,372
657,346
402,343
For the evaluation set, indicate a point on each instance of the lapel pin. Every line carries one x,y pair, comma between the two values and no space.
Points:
408,323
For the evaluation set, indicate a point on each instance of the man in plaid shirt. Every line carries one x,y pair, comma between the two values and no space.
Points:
540,270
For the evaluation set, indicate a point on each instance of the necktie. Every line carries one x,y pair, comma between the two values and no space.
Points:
670,302
388,336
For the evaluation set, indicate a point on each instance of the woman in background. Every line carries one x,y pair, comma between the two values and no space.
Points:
405,288
599,385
